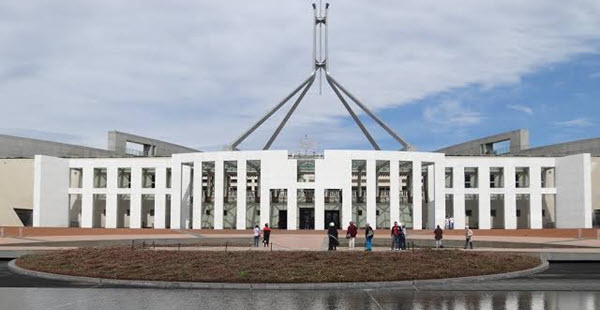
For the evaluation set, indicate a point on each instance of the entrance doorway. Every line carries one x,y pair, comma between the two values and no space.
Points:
332,216
282,221
307,218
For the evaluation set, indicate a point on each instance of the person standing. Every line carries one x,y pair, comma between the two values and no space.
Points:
447,222
395,233
256,235
403,237
438,236
451,222
369,233
351,235
266,235
468,237
332,233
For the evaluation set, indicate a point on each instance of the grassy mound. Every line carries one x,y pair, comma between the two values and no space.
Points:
273,267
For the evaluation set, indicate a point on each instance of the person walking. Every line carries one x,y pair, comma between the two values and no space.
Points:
403,238
256,235
468,237
369,233
266,235
351,235
439,235
332,233
395,234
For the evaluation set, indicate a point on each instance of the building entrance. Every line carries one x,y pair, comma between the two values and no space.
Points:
282,221
332,216
307,218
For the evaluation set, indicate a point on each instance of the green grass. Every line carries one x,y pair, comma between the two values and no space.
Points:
273,267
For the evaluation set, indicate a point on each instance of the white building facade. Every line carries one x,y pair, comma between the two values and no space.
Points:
240,189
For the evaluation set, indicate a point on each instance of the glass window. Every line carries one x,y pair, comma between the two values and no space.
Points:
99,177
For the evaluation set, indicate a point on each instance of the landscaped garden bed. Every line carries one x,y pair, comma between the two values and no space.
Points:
275,266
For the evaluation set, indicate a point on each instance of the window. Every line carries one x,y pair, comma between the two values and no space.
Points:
169,177
449,177
522,177
493,213
76,178
496,177
548,177
99,177
471,177
468,212
305,170
124,175
148,177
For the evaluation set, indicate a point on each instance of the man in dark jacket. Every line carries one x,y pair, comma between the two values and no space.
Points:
332,233
438,232
351,235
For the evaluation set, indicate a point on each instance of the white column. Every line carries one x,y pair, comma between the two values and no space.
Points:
371,193
485,215
347,194
111,197
176,189
394,192
431,194
197,190
87,198
439,193
135,220
186,194
160,215
458,182
417,199
219,183
320,208
510,199
292,209
241,195
535,198
159,197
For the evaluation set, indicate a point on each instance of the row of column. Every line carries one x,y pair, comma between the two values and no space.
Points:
509,191
181,198
111,191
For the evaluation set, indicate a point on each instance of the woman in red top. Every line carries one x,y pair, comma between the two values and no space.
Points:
266,235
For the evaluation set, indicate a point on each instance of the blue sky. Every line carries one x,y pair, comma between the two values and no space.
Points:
199,73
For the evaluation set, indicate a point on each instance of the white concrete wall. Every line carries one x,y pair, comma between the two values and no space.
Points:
50,192
333,171
574,192
483,165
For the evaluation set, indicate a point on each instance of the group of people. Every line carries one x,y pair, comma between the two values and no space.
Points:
398,234
439,235
266,233
449,222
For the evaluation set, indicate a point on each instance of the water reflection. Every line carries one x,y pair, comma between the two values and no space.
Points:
489,300
112,298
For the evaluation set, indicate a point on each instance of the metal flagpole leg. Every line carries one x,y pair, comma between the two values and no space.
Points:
356,119
371,114
289,114
239,140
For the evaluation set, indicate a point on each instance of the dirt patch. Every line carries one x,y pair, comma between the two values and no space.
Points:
274,267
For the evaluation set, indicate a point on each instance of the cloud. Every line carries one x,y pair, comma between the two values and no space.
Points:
595,75
578,122
520,108
451,114
201,72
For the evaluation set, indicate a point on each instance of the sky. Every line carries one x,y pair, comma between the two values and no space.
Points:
199,73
